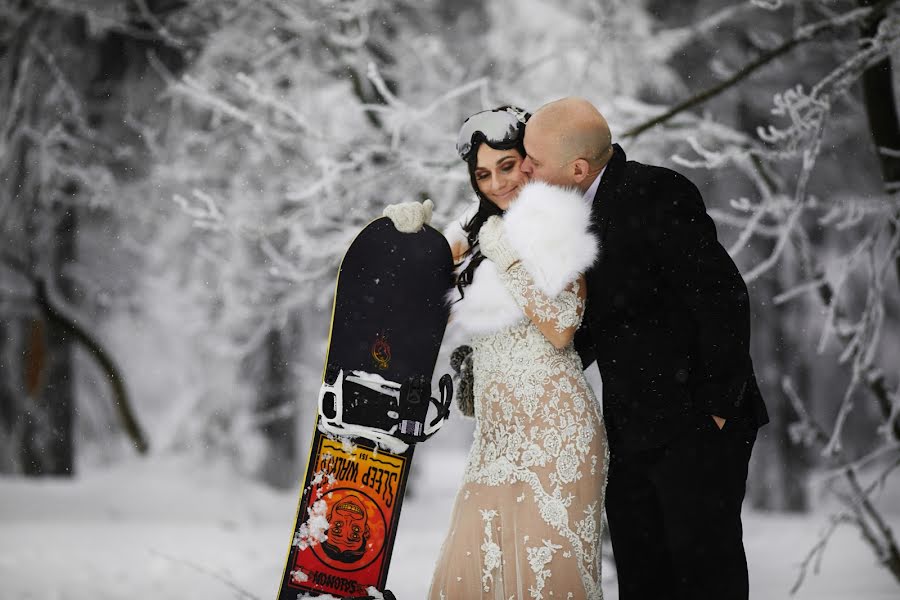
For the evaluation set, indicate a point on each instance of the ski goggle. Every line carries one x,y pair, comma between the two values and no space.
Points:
500,127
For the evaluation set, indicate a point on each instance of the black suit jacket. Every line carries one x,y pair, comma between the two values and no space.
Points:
668,315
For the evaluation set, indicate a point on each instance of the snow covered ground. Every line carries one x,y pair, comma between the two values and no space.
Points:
174,528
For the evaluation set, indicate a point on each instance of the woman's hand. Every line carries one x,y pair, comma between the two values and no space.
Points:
409,217
494,245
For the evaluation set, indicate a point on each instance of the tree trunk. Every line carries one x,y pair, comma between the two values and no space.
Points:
779,465
10,399
47,443
881,107
884,126
41,416
278,405
64,91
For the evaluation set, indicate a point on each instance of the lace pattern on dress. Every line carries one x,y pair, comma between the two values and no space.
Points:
539,438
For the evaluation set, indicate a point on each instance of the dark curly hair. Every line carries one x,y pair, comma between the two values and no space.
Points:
486,208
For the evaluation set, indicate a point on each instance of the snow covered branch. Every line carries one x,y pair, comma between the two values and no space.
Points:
803,35
860,509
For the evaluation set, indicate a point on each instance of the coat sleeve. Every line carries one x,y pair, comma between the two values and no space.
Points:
584,345
707,281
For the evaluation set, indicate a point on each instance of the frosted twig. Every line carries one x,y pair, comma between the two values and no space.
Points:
266,57
804,34
409,114
378,81
68,91
882,478
478,84
773,257
847,333
157,25
863,461
191,89
798,290
834,442
767,4
732,220
206,571
206,214
843,273
673,40
859,502
268,99
849,212
16,103
100,16
287,269
818,550
749,230
299,21
847,73
892,250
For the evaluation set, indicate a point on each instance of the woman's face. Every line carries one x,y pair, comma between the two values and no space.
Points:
498,175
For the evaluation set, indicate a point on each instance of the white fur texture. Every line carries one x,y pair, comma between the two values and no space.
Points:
454,231
486,305
548,228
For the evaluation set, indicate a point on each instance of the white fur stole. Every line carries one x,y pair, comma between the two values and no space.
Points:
548,228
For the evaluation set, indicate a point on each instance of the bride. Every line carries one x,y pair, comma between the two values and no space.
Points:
526,522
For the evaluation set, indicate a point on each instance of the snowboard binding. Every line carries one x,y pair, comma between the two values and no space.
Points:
393,415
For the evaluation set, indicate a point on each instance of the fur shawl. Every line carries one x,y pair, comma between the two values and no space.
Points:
548,228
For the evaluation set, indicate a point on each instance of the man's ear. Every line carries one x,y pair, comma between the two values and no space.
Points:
580,169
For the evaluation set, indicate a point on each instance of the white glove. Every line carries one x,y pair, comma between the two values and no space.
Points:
409,217
494,245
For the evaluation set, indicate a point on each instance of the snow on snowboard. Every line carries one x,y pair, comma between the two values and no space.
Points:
387,324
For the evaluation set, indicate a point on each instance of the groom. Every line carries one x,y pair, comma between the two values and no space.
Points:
668,323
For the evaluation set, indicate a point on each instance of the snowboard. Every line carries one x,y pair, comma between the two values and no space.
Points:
375,403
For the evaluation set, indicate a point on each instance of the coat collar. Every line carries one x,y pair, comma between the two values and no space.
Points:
605,196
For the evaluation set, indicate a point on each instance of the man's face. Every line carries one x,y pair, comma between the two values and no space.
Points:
544,160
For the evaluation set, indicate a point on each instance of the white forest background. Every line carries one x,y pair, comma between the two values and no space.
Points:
180,179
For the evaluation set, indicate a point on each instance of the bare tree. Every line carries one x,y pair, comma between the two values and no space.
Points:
65,70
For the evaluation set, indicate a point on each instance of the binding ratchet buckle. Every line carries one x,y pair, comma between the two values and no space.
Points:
391,414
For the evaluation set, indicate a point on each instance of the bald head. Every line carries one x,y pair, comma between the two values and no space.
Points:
580,129
569,142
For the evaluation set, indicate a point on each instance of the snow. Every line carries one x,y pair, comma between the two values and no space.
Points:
364,377
313,531
170,527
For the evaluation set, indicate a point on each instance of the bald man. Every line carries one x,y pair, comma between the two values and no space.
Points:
668,323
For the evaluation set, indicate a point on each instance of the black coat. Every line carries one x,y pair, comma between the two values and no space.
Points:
668,315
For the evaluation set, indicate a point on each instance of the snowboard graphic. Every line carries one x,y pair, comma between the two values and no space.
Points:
387,325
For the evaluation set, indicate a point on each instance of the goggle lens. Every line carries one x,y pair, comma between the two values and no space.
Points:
498,126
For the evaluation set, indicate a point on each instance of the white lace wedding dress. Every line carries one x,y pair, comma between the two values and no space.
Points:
527,520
